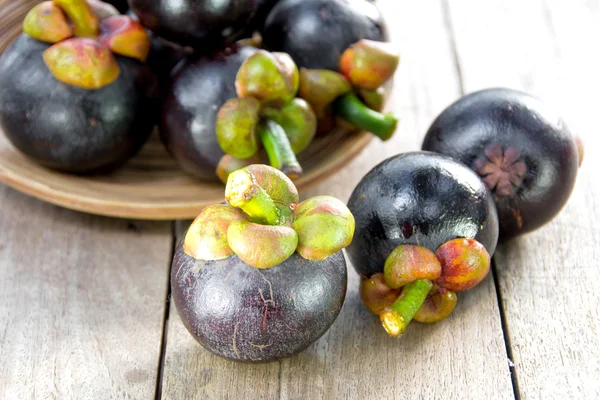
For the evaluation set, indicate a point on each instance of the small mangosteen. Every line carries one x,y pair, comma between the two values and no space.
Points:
315,33
262,277
521,148
199,87
202,24
426,227
74,92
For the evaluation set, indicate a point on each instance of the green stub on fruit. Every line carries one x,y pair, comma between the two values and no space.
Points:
206,238
271,78
261,246
82,62
85,22
48,23
407,263
369,64
102,10
324,225
320,87
266,194
125,36
236,127
298,121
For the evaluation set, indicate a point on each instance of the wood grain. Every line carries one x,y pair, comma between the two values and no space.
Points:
547,278
81,302
151,185
462,357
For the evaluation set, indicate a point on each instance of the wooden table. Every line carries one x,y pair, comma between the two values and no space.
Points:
84,300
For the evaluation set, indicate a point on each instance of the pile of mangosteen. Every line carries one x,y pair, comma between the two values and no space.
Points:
235,85
228,83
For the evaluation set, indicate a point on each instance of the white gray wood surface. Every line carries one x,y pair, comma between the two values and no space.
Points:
83,299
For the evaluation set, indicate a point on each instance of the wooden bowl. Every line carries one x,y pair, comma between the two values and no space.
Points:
151,185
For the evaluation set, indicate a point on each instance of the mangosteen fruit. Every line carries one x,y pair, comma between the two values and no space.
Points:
315,33
520,147
200,85
341,50
75,94
201,24
262,277
426,227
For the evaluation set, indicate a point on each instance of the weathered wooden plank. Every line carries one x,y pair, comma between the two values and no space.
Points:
547,278
463,357
81,302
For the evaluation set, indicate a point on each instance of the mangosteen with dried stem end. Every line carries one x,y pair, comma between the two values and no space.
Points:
315,33
426,227
202,24
199,87
266,114
262,277
338,46
75,94
520,147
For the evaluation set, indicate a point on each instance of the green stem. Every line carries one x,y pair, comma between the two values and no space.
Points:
397,317
243,192
279,150
354,111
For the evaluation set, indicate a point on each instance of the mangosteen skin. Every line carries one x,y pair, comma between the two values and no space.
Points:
251,315
315,33
418,198
202,24
199,87
69,128
120,5
512,119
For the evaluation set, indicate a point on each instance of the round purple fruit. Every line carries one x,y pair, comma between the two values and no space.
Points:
519,147
262,277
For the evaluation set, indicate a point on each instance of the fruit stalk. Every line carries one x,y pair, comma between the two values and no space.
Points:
279,149
350,108
396,318
244,192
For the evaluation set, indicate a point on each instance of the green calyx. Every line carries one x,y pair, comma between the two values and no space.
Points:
365,67
324,225
264,225
428,282
298,121
85,35
320,87
267,113
236,125
272,78
369,64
